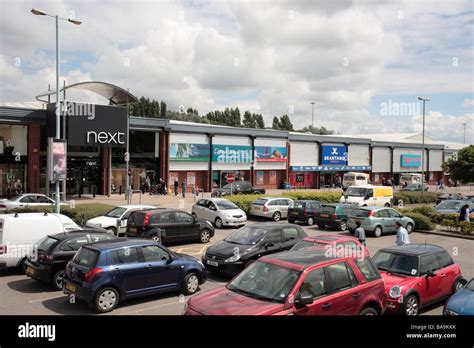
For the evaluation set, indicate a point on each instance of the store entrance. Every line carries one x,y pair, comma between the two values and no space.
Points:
83,177
330,180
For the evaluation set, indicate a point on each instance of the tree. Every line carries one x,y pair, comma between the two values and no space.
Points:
276,123
285,123
461,167
162,109
259,121
249,120
315,130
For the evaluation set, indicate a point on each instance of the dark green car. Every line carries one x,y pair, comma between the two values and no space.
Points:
334,215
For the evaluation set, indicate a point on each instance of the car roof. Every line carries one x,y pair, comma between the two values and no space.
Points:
133,206
303,257
118,243
306,200
414,249
330,237
372,208
271,224
77,233
155,210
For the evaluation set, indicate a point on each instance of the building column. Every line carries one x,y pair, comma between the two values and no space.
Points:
33,166
252,163
163,153
288,155
209,176
105,171
391,162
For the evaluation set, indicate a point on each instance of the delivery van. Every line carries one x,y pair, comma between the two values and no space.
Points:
368,195
355,179
20,231
410,178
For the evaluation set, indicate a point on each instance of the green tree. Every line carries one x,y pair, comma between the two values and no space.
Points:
285,123
162,109
259,121
461,167
276,123
249,120
316,130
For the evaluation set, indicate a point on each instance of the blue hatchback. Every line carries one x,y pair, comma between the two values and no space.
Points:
462,302
105,273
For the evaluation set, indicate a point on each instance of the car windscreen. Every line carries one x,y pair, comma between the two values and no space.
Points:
470,285
86,257
360,213
265,281
348,178
396,263
225,205
327,209
260,201
356,192
247,235
298,205
116,212
231,185
136,217
303,244
449,205
46,242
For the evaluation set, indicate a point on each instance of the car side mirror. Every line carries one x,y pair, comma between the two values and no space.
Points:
268,244
430,274
302,301
194,218
168,261
463,281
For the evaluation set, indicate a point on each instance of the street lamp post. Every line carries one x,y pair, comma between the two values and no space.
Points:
58,96
464,137
312,114
423,147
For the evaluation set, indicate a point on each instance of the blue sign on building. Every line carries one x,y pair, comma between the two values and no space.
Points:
410,160
334,155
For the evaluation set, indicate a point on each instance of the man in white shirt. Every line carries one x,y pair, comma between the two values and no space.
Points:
402,235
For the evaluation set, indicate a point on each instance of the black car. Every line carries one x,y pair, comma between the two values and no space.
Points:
248,243
168,226
304,210
333,215
55,251
237,188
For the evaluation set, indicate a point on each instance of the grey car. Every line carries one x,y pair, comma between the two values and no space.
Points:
379,220
271,207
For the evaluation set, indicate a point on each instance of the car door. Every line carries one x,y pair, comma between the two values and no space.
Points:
315,285
385,220
272,242
432,286
27,201
290,236
166,222
187,228
43,201
199,209
284,208
246,188
161,273
211,211
129,270
396,216
123,220
343,285
448,271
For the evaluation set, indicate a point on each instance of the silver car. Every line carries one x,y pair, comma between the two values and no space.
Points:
26,200
275,208
220,212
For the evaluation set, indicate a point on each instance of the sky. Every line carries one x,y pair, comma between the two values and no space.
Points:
363,63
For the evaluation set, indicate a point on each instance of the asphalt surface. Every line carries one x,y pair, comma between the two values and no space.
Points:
21,295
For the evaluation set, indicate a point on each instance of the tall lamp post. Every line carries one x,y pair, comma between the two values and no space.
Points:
464,137
58,96
312,114
423,147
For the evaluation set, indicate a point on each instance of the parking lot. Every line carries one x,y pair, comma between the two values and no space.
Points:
22,295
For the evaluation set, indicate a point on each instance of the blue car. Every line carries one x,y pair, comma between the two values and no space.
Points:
454,206
462,302
105,273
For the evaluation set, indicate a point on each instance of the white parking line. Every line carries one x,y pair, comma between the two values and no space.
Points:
46,298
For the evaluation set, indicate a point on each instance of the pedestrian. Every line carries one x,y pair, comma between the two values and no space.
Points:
147,183
18,187
176,185
402,235
464,213
359,233
183,188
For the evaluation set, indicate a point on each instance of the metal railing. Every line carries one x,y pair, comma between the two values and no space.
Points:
129,196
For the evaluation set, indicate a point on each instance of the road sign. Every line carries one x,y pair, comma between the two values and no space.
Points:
230,178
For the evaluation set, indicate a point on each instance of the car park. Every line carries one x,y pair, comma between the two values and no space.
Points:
168,226
245,245
462,302
220,212
333,215
414,187
303,210
25,201
416,275
454,206
237,188
54,251
368,195
339,242
379,220
271,207
303,282
107,272
115,220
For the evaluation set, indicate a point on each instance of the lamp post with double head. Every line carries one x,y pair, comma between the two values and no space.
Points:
423,147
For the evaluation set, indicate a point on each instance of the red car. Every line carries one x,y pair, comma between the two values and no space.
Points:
338,241
417,275
303,282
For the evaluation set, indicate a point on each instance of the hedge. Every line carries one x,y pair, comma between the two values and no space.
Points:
415,197
422,222
462,227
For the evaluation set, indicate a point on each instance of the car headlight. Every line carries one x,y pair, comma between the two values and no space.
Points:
449,312
395,291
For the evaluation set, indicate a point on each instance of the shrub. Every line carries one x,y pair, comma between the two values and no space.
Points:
421,221
325,197
425,210
462,227
243,201
415,197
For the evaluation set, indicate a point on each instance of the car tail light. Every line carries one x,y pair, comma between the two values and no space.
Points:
265,209
89,276
145,220
3,249
334,216
2,206
48,258
372,213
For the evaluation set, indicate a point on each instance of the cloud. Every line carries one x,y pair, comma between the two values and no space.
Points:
468,102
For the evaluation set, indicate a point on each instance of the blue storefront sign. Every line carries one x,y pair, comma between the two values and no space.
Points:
410,160
333,155
329,168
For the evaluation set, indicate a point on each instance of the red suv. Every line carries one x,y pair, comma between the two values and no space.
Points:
417,275
303,282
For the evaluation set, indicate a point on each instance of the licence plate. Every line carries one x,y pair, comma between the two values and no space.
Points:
70,287
30,270
213,263
324,215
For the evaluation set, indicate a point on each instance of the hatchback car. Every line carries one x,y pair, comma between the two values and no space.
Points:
269,207
105,273
219,211
379,220
416,275
168,226
55,251
333,215
462,302
303,211
344,243
303,282
414,187
454,206
245,245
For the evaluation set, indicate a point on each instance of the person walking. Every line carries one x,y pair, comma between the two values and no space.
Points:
183,188
402,235
359,233
464,213
176,185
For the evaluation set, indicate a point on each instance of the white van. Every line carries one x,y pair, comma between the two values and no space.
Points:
368,195
19,232
355,179
410,178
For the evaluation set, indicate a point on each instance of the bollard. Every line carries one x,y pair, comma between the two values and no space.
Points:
120,190
93,191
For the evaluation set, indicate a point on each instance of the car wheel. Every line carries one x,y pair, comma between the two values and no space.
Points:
111,230
205,236
106,300
310,221
156,238
369,311
409,228
58,280
22,266
378,231
190,284
276,216
343,225
457,285
218,222
411,305
291,221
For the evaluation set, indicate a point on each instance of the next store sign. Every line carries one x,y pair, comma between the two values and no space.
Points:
410,160
334,154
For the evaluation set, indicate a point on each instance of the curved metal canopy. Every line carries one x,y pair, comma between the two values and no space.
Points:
115,94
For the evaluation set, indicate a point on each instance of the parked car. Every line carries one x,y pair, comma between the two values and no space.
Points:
416,275
270,207
220,212
168,226
19,232
414,187
54,251
303,282
462,302
237,188
245,245
344,243
333,215
451,196
303,210
379,220
368,195
107,272
111,219
454,206
26,200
